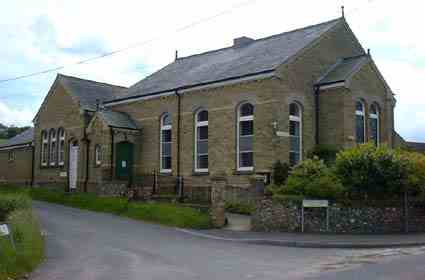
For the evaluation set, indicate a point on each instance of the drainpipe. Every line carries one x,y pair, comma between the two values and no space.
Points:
179,178
317,111
112,153
87,160
32,163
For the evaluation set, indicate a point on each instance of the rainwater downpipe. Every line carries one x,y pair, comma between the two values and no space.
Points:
317,112
179,178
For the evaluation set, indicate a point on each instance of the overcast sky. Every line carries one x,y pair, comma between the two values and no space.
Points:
43,34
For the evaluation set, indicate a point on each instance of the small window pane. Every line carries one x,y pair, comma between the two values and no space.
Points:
202,147
202,162
246,128
295,144
246,110
360,137
203,116
246,159
294,128
245,143
359,106
373,123
166,162
166,120
166,135
294,158
203,132
166,149
294,110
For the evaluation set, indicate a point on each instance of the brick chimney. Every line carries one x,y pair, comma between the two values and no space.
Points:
242,42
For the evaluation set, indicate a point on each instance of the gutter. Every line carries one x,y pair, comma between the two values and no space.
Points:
85,139
247,77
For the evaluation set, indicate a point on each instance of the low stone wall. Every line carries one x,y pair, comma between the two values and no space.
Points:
273,215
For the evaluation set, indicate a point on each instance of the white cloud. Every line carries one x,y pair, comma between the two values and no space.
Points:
390,28
9,116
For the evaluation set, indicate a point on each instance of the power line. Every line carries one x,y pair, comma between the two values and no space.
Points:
135,45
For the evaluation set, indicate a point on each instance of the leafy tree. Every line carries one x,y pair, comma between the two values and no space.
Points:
367,171
327,153
280,173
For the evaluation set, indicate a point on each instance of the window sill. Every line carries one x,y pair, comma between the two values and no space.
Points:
166,172
244,172
200,173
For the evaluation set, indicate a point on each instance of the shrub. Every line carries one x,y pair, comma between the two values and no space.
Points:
416,177
280,172
326,153
313,179
367,171
240,208
11,202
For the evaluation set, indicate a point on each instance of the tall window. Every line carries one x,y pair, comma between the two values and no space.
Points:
201,141
166,143
98,154
44,148
61,154
374,124
11,155
245,128
360,122
295,135
52,148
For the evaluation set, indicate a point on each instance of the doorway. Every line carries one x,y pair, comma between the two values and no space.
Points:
124,160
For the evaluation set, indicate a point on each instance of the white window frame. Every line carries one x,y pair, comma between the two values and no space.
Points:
44,147
363,114
239,120
297,119
97,155
11,156
197,125
165,127
376,117
52,140
61,153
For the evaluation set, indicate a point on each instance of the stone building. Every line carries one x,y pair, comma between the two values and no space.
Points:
16,159
231,112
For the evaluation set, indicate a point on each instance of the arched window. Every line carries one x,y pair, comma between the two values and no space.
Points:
360,122
295,134
52,147
98,154
245,137
374,124
166,143
201,141
44,148
61,154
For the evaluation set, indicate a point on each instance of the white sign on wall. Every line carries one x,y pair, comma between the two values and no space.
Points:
63,174
4,230
282,134
315,203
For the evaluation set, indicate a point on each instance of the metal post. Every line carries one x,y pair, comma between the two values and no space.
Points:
327,218
154,182
406,212
302,219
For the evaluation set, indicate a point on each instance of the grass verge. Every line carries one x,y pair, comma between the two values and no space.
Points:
29,247
170,214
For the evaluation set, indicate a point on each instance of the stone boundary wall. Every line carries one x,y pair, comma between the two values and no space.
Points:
275,216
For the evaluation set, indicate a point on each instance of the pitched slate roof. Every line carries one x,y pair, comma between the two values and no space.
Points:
25,137
117,119
88,92
254,57
416,146
343,69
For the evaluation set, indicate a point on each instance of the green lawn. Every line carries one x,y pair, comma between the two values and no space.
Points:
3,141
28,252
171,214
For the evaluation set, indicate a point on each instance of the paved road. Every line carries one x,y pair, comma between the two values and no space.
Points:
87,245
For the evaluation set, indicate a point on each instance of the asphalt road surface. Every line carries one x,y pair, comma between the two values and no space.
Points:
87,245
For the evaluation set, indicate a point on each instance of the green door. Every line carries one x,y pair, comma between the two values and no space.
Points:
124,160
